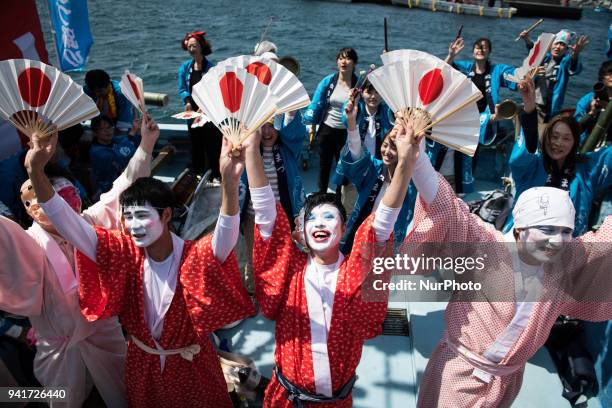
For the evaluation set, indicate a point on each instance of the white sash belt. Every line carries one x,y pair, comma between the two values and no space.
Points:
186,352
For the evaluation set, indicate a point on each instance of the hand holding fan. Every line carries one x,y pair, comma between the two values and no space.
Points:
131,86
235,101
38,98
282,83
534,59
429,93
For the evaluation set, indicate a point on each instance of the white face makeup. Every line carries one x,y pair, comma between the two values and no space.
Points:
323,228
544,243
143,223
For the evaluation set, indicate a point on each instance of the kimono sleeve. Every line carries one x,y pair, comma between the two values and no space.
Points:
522,162
600,176
213,291
23,267
293,135
504,72
359,171
368,303
183,86
591,291
103,284
447,219
313,112
271,264
463,66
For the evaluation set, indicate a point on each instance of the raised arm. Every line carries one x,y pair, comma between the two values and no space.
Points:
408,152
227,228
262,196
67,222
354,139
105,212
528,115
454,49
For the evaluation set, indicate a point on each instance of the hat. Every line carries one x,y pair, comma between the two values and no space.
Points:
565,36
539,206
264,46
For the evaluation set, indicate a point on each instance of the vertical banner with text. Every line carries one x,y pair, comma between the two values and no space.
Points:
73,38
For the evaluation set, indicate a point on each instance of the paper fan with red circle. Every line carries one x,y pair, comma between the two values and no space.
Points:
534,59
432,95
133,89
283,84
36,97
235,101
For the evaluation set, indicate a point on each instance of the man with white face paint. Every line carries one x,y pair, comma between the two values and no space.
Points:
72,352
316,299
486,345
190,288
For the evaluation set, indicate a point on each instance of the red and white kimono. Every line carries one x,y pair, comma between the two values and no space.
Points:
481,359
279,269
208,295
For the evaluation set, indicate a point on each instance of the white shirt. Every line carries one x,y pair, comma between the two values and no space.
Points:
369,141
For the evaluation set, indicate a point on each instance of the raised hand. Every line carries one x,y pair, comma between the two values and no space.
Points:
454,49
41,151
149,132
582,41
351,108
527,90
231,164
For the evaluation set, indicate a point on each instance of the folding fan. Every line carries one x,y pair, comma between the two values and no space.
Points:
37,98
187,115
131,86
432,95
283,84
534,59
235,101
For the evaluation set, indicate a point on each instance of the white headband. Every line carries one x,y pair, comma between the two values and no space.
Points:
544,206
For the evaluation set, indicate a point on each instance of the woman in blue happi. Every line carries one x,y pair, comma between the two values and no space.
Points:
374,120
371,177
590,106
558,66
488,78
557,161
109,154
325,111
205,140
109,99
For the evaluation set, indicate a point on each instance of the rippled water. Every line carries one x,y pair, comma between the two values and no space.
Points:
145,37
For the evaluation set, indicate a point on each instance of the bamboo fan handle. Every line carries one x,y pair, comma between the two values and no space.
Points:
530,29
471,99
257,125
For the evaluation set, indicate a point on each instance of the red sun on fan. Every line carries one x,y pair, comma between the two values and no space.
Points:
34,87
231,91
431,85
534,55
261,71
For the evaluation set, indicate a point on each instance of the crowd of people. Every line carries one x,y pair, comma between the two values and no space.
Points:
101,296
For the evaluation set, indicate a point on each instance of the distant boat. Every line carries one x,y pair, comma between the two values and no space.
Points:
458,8
545,8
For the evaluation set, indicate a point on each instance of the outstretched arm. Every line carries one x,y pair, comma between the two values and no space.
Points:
227,228
262,196
67,222
454,49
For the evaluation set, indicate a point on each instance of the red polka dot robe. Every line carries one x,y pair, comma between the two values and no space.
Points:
208,296
448,380
279,268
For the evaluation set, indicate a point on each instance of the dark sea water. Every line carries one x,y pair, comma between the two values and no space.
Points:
145,36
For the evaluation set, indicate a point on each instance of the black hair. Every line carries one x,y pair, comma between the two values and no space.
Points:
97,79
149,190
574,155
55,170
349,53
367,86
97,122
201,39
605,69
480,41
319,198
